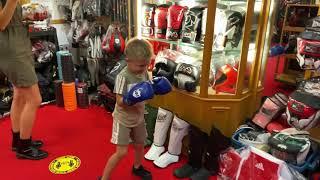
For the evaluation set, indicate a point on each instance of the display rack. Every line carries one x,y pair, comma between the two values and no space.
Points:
205,107
288,74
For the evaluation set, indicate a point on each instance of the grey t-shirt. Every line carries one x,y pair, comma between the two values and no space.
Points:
130,116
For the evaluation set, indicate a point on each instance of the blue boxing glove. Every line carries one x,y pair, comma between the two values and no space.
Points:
161,85
138,93
276,50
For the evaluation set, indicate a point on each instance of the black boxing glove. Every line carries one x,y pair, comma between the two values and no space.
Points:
186,77
165,68
192,21
236,21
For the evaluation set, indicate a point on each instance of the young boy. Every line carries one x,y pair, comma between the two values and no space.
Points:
132,88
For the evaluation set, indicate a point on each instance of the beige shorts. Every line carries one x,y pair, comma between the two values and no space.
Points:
121,135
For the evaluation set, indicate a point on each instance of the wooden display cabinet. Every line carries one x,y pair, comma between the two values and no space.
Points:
205,107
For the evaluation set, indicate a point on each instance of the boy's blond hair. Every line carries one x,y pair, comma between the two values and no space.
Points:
139,49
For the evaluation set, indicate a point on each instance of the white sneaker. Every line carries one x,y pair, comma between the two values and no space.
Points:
165,159
154,152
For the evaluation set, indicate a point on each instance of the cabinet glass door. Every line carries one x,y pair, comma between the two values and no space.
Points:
175,29
226,48
252,50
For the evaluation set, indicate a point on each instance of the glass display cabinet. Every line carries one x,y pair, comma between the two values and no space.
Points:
219,49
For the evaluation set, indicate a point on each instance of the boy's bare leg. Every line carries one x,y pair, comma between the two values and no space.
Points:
113,161
138,155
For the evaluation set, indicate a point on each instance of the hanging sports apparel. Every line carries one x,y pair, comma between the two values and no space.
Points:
179,129
92,67
163,121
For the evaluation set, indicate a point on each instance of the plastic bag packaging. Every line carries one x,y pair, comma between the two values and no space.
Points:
35,12
251,163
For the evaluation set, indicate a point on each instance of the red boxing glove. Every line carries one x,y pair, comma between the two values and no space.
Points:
148,19
160,21
175,19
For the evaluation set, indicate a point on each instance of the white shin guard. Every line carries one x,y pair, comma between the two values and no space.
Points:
163,122
179,130
164,119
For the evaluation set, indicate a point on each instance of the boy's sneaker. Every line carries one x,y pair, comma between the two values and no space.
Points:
141,172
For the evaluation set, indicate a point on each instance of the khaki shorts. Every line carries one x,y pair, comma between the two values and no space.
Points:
121,135
20,71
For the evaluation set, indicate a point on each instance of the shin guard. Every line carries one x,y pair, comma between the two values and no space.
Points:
163,121
179,129
217,143
197,143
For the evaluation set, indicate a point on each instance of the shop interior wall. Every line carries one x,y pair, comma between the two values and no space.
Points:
57,14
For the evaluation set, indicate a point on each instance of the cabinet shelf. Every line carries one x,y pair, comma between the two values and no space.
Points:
291,56
286,78
293,29
179,42
303,5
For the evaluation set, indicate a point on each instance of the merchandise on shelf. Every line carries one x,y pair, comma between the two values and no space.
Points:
290,148
34,12
225,79
186,77
160,21
303,109
271,109
148,20
191,28
175,20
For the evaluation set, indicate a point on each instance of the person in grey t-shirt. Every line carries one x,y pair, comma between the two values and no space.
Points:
128,120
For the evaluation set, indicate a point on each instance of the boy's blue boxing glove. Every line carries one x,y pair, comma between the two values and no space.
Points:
161,85
138,93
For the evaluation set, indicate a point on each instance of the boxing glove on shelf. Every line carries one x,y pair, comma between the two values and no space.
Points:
160,21
191,25
186,77
147,23
175,19
165,68
203,25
